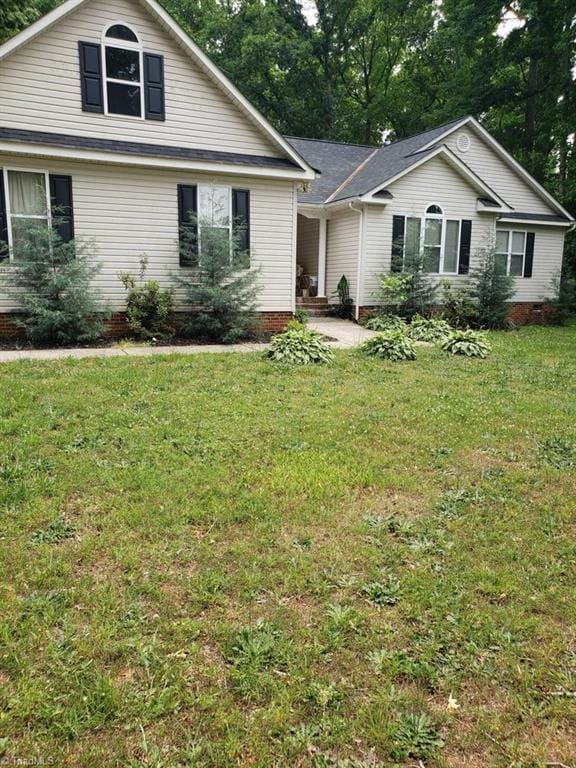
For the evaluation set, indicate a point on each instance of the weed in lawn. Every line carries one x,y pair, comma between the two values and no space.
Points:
416,736
57,530
385,592
559,452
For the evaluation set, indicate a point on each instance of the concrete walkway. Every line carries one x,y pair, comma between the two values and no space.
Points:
345,333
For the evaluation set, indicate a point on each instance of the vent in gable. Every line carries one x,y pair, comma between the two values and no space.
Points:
463,142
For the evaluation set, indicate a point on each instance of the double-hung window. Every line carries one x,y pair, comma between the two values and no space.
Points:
214,210
510,252
433,239
27,207
123,72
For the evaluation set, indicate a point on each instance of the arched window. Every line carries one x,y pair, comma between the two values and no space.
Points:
434,210
122,66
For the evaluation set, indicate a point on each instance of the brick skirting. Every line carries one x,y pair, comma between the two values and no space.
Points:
116,327
520,313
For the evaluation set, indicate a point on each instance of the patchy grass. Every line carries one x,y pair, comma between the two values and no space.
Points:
215,561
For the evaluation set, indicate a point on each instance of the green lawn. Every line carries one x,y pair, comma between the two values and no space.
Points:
217,561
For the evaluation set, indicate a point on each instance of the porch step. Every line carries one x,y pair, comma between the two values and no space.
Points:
315,310
309,301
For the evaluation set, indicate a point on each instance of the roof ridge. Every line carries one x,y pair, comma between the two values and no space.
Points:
422,133
332,141
349,178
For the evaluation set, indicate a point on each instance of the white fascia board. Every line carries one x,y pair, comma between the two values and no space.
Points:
507,157
141,161
189,46
451,158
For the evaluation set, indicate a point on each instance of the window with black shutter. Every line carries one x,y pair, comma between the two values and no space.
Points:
241,227
62,206
188,224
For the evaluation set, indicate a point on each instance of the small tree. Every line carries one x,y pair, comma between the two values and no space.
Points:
563,300
492,289
458,306
148,306
408,292
51,280
221,289
345,302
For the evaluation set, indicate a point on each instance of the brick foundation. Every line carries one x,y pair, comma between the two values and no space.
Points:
117,328
520,313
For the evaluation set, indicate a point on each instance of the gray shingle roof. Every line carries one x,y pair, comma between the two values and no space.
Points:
148,150
535,217
334,161
350,170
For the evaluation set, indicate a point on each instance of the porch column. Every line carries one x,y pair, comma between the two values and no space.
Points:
322,257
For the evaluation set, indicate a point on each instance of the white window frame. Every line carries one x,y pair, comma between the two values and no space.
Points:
215,226
129,45
443,219
10,215
509,252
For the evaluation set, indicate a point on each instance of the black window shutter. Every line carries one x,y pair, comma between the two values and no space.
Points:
91,77
529,255
3,221
241,223
398,224
465,240
188,225
62,206
154,87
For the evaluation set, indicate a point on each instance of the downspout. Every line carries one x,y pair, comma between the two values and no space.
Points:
359,265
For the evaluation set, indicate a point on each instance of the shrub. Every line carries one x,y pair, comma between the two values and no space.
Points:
458,306
492,289
563,300
392,345
386,323
299,347
148,307
469,343
220,290
52,283
407,292
301,316
432,329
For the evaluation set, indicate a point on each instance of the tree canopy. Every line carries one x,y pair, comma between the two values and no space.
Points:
367,70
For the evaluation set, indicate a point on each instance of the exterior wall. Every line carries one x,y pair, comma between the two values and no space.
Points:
434,182
437,182
130,212
342,243
548,248
485,162
307,244
40,88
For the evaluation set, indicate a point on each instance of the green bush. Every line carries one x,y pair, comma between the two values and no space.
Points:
390,345
345,302
386,322
431,329
148,306
299,347
458,306
301,316
563,300
467,342
492,289
52,282
406,293
220,290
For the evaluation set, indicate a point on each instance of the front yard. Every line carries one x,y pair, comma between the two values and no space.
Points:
217,561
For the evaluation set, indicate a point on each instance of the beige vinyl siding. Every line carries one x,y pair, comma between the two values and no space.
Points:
548,248
307,244
434,182
342,243
130,212
506,182
40,88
